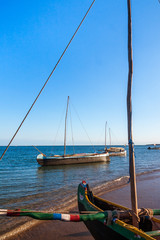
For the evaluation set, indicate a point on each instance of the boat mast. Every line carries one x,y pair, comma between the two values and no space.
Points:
129,113
65,127
110,136
105,135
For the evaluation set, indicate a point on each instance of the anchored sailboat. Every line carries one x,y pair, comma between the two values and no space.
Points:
67,159
113,151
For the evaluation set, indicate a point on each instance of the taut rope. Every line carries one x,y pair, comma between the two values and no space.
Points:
47,80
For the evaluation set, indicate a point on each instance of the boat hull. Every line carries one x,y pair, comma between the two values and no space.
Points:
101,229
116,151
153,148
72,159
113,154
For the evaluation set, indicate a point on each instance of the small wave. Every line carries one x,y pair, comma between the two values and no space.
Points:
20,225
149,172
109,186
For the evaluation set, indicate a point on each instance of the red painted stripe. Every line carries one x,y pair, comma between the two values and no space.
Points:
75,218
13,212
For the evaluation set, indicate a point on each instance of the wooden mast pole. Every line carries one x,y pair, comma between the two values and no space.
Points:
105,135
129,112
110,136
65,127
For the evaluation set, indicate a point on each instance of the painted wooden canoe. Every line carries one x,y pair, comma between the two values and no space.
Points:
113,227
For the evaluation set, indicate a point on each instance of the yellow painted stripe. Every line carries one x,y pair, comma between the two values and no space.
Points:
114,204
156,220
92,203
121,223
134,230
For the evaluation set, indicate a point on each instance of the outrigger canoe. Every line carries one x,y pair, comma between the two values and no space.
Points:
118,221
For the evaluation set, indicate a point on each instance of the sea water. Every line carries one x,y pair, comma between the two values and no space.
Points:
26,184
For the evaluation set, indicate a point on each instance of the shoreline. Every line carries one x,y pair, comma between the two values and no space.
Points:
24,223
70,206
147,185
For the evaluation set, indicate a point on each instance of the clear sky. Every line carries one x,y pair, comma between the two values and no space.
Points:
93,72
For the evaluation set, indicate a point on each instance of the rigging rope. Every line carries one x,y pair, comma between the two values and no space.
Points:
71,129
84,128
56,136
47,79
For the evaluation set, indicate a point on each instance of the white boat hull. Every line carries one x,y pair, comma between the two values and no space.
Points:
117,151
72,159
123,153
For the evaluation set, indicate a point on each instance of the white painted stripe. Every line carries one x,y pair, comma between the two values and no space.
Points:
66,217
3,212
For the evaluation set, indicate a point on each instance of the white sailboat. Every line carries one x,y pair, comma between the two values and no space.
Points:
67,159
113,151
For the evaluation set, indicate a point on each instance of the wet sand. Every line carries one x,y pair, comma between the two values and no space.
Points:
148,196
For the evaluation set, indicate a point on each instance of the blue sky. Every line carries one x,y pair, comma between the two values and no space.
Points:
93,72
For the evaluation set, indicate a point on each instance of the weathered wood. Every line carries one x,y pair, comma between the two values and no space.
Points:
110,136
72,159
105,135
65,127
129,111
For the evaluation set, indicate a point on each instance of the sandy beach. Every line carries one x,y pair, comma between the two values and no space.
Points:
148,196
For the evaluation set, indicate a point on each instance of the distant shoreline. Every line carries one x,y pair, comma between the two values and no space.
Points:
79,145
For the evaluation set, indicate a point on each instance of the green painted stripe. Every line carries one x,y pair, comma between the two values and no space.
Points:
36,215
153,233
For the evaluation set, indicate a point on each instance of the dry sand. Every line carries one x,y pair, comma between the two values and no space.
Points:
148,196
